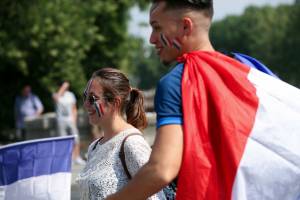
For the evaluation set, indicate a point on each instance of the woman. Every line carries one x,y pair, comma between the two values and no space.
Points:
107,98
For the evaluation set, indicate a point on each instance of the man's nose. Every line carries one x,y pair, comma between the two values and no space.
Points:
152,38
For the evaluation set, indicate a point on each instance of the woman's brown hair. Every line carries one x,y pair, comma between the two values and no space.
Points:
116,86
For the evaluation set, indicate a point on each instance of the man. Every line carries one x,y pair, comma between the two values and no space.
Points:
66,115
213,118
27,105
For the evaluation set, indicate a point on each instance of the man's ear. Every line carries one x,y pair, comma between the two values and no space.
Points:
187,26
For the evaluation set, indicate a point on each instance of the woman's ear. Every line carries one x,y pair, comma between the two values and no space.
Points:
116,104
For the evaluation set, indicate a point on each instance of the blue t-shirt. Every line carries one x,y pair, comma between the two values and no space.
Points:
26,106
167,100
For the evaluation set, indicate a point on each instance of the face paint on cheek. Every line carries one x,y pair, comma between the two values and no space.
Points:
101,109
98,109
165,40
177,43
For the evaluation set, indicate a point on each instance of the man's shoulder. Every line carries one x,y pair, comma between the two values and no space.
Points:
69,93
18,100
174,74
169,86
34,96
18,97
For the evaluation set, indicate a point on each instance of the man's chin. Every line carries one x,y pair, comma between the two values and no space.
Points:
165,63
168,63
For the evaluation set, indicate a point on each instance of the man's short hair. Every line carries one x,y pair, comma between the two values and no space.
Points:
205,6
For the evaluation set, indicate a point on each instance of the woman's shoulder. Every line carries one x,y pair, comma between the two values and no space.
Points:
136,144
133,136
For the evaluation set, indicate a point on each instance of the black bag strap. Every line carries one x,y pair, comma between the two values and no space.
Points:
96,143
122,154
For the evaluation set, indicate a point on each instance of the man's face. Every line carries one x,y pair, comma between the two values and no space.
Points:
26,91
164,25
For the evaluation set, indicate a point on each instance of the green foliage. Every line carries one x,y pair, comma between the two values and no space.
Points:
113,45
43,42
147,69
288,60
271,34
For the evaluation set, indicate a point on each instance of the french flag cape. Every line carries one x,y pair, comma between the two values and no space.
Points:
241,132
36,169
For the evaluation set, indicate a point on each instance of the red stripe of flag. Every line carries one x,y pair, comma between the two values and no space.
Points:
219,108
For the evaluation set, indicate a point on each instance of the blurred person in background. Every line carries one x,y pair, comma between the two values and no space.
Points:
66,116
27,105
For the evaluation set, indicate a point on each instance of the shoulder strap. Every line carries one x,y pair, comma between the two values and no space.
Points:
122,154
96,143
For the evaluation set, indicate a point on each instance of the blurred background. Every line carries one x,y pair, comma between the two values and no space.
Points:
43,42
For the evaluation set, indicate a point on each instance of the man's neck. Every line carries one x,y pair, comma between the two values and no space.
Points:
198,41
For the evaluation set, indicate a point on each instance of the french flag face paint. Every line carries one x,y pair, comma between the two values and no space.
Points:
177,43
99,109
167,42
93,100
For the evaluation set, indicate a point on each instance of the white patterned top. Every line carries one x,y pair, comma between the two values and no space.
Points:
104,173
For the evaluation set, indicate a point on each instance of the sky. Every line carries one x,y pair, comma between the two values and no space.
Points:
222,8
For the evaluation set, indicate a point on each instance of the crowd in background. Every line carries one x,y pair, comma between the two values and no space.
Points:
28,106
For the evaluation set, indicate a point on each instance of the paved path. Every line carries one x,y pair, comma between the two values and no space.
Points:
75,195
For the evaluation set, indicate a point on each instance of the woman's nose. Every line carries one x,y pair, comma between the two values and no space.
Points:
85,104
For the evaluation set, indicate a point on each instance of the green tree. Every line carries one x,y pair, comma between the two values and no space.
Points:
43,42
113,46
147,68
288,58
267,33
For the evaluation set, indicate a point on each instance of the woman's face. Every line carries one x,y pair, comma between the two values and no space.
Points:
94,103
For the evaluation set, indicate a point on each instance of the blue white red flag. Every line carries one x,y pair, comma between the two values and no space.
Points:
252,62
241,132
36,169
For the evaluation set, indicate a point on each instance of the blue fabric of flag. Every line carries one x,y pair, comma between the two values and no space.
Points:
35,158
252,62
